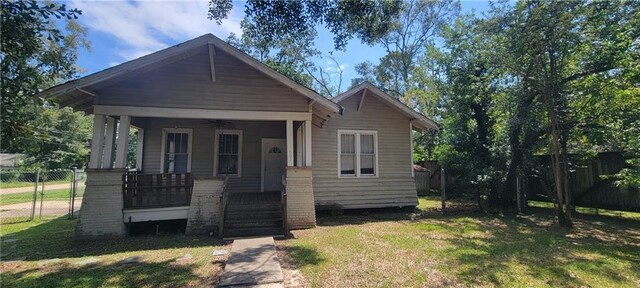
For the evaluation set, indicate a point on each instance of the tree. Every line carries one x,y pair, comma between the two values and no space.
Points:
555,45
410,35
61,139
275,20
36,54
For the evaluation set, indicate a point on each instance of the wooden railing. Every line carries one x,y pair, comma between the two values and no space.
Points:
142,191
283,195
223,206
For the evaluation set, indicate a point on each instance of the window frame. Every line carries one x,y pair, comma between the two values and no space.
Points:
217,148
165,131
357,134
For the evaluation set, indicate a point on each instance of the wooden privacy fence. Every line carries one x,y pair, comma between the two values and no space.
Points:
422,181
587,187
156,190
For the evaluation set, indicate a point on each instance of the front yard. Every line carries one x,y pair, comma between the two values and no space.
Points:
361,248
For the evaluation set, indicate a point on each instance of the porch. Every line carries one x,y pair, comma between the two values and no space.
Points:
224,176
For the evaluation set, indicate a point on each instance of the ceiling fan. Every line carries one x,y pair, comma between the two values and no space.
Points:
219,123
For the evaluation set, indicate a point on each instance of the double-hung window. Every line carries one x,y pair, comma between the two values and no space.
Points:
357,153
228,152
176,150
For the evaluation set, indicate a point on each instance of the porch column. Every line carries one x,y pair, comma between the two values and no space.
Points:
139,149
289,142
97,140
110,139
123,142
307,143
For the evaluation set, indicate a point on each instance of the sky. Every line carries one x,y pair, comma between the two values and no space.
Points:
120,31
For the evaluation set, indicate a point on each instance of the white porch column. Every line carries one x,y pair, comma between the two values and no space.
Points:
123,142
97,140
139,149
307,143
110,139
289,142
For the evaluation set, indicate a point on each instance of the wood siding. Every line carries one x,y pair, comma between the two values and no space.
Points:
394,185
202,159
187,83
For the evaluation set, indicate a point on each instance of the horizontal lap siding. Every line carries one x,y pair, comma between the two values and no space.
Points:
202,160
187,84
394,185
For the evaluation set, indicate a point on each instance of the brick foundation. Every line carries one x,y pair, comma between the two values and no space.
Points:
205,206
101,211
301,211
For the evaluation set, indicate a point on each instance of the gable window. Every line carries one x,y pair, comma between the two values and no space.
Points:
228,152
357,153
176,150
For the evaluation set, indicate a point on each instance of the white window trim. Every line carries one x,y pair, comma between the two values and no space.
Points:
164,144
357,143
216,148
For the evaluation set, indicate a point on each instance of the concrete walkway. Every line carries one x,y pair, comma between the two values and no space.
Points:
252,262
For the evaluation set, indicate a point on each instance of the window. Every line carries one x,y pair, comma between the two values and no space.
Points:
176,150
228,152
357,153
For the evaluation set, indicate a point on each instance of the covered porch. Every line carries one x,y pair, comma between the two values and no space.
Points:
185,159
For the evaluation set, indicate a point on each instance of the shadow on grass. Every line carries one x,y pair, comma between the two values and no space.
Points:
304,256
482,249
162,274
54,239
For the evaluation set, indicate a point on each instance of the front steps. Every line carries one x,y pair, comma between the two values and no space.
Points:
249,217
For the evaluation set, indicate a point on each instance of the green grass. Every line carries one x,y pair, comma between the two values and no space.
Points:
5,185
53,239
467,249
592,211
61,194
392,248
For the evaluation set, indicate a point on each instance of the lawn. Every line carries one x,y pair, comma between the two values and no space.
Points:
390,248
60,194
16,184
52,239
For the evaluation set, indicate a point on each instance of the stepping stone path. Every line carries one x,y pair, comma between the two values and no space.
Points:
184,258
88,261
131,260
220,252
252,262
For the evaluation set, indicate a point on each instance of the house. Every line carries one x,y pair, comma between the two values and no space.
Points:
233,146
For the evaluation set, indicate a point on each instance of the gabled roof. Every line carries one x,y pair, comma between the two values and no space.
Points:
420,121
167,54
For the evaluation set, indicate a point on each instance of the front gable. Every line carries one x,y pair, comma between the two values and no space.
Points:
204,73
187,83
356,100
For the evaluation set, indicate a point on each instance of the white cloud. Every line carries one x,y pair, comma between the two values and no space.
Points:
143,27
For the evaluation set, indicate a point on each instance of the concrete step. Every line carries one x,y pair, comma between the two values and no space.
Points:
231,208
253,231
253,214
257,223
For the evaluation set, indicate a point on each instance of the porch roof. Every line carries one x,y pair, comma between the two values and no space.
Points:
78,93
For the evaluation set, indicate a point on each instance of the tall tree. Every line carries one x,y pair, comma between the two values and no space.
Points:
274,20
556,44
36,53
410,35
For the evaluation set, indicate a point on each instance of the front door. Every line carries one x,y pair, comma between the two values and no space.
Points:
274,159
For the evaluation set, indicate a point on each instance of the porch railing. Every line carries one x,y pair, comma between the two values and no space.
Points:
142,191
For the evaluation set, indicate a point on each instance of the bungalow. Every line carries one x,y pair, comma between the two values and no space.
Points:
232,146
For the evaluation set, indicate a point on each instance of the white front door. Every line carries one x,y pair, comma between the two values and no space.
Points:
274,159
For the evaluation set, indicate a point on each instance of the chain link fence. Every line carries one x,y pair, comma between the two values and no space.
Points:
27,195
